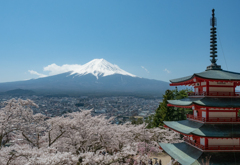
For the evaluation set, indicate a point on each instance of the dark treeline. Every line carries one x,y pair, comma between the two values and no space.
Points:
165,113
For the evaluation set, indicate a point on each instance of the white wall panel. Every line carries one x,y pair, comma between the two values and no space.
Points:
221,83
223,142
221,89
222,114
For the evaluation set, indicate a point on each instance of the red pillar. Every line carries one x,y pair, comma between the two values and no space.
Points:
207,86
207,114
206,142
236,114
234,87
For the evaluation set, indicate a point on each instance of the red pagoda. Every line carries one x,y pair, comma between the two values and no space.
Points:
212,132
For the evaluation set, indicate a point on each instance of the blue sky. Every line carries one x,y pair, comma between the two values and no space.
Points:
170,38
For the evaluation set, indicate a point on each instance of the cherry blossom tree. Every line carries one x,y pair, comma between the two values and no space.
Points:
12,118
75,138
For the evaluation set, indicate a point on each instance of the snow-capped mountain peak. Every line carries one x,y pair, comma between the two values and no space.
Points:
100,67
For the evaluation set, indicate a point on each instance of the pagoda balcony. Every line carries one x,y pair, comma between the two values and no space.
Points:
193,143
213,119
192,117
214,94
223,147
197,93
212,147
224,119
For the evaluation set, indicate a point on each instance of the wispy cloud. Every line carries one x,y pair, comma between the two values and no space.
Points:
145,69
56,69
36,73
166,70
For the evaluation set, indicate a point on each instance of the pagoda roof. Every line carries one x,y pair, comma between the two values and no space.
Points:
211,74
188,155
205,130
228,102
183,126
182,152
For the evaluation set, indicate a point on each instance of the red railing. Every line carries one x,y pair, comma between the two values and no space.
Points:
223,147
214,119
213,94
196,117
237,93
212,147
196,93
223,119
222,94
192,142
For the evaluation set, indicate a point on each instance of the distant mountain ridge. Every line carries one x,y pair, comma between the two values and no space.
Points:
18,92
97,76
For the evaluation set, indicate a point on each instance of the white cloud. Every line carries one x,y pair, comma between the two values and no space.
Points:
145,69
55,69
36,73
166,70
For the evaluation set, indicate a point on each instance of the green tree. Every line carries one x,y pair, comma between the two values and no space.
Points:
180,113
164,113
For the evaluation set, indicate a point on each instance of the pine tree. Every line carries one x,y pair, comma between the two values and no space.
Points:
180,113
164,113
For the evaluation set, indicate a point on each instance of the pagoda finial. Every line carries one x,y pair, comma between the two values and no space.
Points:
213,45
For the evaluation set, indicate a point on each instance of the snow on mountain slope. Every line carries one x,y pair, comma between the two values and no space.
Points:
100,67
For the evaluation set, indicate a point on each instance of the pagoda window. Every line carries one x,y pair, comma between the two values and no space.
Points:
221,83
204,114
204,89
222,114
195,112
196,90
202,141
222,109
219,141
203,83
221,89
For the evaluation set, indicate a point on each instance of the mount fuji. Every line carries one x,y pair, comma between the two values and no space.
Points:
100,67
97,77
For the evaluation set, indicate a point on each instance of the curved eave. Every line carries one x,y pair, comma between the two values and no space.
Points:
203,106
180,106
218,131
182,81
188,155
179,103
206,102
213,75
182,152
188,127
184,126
